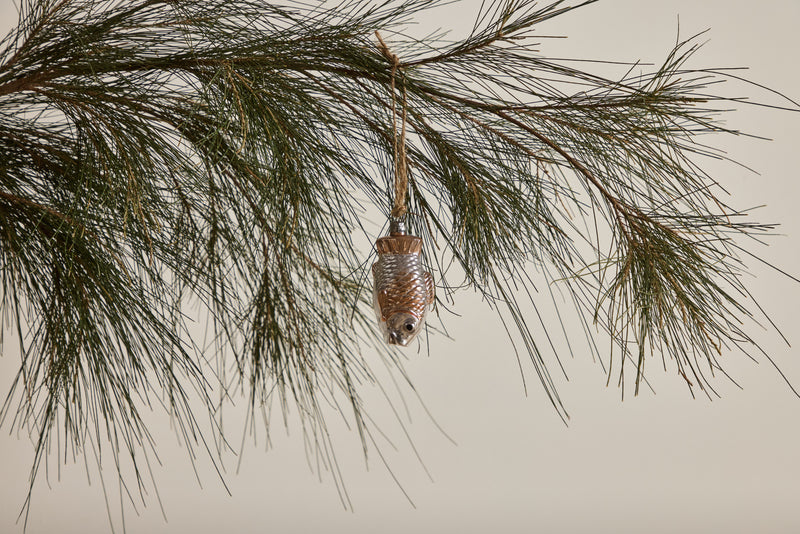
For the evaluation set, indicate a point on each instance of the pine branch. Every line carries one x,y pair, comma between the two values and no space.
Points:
159,153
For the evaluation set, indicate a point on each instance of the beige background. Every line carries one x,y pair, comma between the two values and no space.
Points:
656,463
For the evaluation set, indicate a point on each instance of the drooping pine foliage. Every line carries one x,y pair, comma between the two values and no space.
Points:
162,154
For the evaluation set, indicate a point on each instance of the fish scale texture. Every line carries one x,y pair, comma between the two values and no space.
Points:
401,283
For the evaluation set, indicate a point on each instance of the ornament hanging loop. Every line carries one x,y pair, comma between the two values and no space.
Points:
399,209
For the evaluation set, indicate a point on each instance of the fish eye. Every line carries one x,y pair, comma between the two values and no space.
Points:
409,326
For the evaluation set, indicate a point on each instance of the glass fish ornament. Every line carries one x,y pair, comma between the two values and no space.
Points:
403,290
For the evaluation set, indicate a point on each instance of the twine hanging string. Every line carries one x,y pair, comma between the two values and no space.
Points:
399,209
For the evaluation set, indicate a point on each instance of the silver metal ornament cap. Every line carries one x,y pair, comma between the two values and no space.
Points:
397,226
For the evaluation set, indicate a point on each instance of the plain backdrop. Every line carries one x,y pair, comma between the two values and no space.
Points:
655,463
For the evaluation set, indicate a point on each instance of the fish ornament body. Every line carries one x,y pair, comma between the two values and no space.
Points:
403,290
